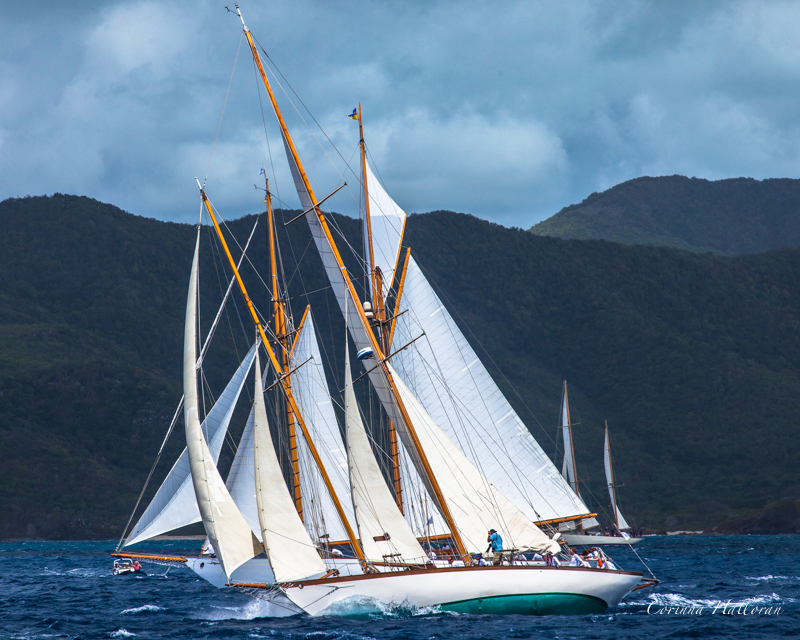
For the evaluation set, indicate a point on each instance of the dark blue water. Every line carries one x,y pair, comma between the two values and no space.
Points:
66,590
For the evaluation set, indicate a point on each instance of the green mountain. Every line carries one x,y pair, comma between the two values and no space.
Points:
692,358
728,217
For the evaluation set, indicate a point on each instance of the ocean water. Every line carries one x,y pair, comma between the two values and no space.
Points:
65,590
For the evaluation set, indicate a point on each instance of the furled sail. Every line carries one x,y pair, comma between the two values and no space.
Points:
310,390
290,551
383,532
225,527
174,504
387,221
241,478
475,504
447,377
622,525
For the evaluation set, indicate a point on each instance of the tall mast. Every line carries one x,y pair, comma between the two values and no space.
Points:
282,334
376,279
376,347
283,379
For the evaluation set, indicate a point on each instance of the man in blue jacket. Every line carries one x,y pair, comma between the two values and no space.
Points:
496,545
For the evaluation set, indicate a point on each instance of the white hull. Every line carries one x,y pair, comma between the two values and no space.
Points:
498,590
593,541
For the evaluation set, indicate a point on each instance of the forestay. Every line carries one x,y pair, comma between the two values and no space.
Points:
447,377
174,504
225,527
290,551
383,532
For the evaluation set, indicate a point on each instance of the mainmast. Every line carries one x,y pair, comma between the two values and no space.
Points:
376,280
571,452
283,379
281,333
374,344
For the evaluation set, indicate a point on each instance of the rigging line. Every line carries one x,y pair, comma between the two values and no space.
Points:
213,148
297,269
500,371
222,266
288,84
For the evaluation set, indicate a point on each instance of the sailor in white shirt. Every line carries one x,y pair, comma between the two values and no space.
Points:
577,561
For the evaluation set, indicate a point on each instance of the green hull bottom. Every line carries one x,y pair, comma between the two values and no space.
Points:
539,604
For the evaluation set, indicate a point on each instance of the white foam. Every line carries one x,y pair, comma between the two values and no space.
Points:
121,633
366,606
678,600
767,578
255,608
147,608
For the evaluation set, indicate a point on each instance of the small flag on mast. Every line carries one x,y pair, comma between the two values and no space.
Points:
354,115
262,172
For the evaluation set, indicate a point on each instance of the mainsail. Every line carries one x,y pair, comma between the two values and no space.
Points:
568,468
383,532
621,524
451,382
226,528
174,504
290,551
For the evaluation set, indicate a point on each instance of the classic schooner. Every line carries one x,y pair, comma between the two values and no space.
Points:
438,401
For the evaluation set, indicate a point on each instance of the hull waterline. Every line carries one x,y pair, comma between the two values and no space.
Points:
488,590
577,539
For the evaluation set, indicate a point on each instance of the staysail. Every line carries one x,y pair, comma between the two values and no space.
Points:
174,504
451,382
568,469
383,532
290,551
241,479
310,389
622,525
225,527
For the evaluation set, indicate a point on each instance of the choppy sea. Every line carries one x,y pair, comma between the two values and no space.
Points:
711,587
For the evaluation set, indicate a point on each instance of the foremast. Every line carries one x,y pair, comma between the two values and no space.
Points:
282,334
374,344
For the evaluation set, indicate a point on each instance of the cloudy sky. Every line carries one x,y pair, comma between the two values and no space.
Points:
507,110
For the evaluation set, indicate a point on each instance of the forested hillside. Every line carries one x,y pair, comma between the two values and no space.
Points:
692,358
729,217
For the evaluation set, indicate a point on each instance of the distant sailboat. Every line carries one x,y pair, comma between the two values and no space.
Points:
569,471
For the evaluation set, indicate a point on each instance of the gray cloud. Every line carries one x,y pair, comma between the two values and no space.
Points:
508,110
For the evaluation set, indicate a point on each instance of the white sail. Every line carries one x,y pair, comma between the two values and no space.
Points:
568,470
290,551
174,504
224,525
383,532
475,505
387,221
449,380
310,390
241,478
622,525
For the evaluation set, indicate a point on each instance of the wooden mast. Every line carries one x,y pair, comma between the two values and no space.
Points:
282,335
376,347
282,378
376,279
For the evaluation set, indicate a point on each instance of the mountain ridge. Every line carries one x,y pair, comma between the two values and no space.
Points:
728,217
